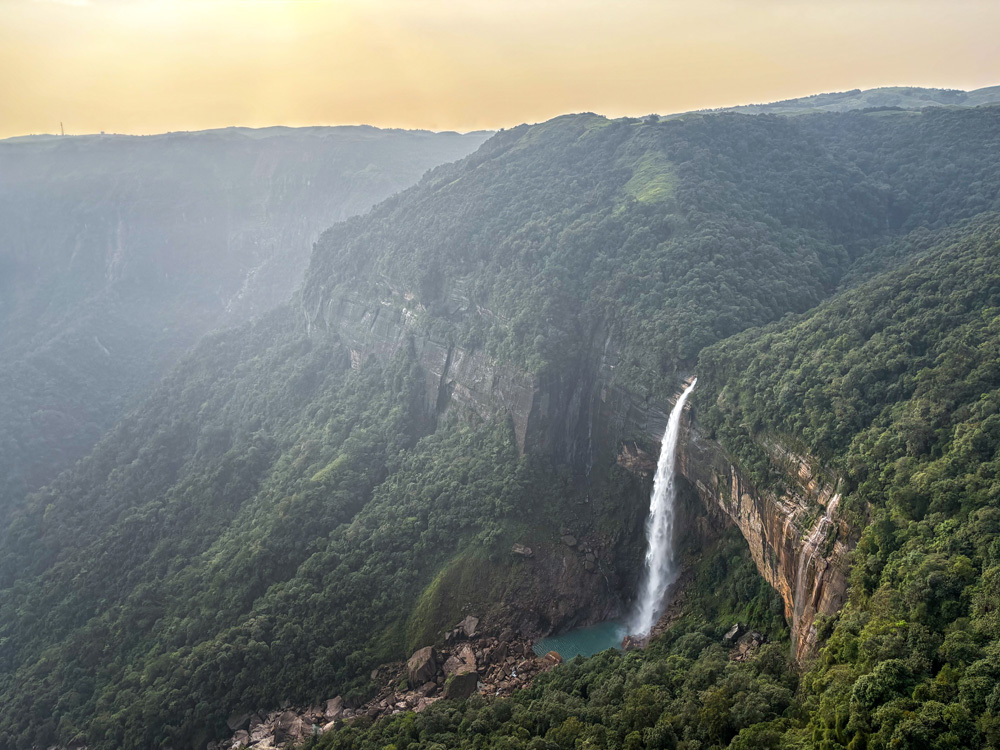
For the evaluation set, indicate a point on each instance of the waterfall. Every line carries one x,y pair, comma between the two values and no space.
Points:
661,568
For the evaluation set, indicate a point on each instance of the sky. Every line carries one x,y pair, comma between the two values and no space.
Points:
149,66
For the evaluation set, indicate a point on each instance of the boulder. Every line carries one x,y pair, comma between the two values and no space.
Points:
569,540
747,646
734,634
422,666
522,550
241,739
290,727
238,721
428,689
468,655
424,703
633,642
334,708
461,686
259,733
469,625
454,665
551,659
498,654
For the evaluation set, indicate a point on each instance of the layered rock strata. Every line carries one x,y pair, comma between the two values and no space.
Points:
796,537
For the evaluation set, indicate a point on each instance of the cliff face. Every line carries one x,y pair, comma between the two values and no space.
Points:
455,375
795,536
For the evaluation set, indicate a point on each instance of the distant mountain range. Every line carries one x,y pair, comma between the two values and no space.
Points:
904,97
117,253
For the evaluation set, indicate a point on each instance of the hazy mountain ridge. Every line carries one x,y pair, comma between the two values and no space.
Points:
903,97
118,252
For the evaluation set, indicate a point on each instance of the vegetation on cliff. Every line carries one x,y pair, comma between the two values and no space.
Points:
278,517
896,383
668,235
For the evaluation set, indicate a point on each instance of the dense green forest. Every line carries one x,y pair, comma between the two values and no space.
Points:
897,384
673,234
266,525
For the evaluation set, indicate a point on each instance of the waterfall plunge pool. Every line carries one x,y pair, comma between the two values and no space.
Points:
661,568
583,641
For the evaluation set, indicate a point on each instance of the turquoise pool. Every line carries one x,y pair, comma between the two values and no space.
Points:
583,641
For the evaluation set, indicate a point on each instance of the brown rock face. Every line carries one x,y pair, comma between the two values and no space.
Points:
461,685
796,538
422,666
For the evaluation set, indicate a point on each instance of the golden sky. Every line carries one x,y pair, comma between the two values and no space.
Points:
146,66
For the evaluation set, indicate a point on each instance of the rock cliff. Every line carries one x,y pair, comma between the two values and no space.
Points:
796,537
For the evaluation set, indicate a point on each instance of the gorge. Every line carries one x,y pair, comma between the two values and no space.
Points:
458,415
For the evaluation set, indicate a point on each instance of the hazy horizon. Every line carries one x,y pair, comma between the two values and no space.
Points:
277,125
151,66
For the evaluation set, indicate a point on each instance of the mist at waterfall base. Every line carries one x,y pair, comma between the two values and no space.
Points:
660,570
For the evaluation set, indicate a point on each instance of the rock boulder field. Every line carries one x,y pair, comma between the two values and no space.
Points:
470,662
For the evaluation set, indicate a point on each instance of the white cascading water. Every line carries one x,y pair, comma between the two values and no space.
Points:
661,568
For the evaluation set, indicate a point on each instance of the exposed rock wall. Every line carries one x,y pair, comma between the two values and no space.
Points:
455,375
795,536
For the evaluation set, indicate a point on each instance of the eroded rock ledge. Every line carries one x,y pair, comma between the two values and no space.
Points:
796,537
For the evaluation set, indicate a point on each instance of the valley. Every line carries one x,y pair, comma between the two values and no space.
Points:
458,416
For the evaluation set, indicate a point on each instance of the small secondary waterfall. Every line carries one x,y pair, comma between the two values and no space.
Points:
661,568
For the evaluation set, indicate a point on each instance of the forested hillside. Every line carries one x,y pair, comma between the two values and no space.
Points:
903,97
279,516
672,234
117,253
897,384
